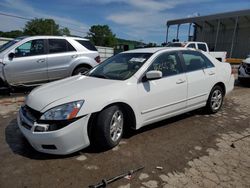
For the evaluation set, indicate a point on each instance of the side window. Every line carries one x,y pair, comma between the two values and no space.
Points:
70,47
202,47
167,63
30,48
195,61
192,45
87,44
59,46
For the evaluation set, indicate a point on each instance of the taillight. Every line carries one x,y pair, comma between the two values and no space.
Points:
98,59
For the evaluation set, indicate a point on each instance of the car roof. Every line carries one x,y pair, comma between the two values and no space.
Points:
154,50
54,37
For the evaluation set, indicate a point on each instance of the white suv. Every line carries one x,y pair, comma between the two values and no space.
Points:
35,60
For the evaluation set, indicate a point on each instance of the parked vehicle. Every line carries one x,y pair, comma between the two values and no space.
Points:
221,56
131,89
244,71
27,61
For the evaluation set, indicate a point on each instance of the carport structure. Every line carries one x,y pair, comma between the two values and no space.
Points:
228,31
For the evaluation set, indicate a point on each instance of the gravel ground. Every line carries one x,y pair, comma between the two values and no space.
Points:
191,150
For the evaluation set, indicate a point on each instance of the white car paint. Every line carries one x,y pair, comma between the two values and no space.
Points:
150,101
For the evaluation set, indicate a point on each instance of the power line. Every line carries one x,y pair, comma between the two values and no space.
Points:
29,19
14,16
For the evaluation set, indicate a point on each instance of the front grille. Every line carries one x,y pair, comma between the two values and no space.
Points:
247,68
26,125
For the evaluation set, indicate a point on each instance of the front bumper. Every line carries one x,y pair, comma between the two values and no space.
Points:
242,74
69,139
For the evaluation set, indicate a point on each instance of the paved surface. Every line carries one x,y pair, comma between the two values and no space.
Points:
191,150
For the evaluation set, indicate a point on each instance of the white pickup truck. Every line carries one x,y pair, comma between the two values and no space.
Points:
221,56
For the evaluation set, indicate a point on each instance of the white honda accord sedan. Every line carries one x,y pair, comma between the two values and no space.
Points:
129,90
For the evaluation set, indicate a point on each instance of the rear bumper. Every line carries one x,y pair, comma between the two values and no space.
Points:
230,85
69,139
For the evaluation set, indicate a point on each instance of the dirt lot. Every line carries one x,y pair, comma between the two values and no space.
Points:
194,150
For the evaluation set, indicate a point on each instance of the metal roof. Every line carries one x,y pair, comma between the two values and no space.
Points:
210,17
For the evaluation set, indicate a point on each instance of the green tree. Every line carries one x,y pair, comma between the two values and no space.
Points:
39,26
11,34
64,31
101,35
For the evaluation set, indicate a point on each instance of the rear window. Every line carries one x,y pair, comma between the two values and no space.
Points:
174,44
87,44
192,45
202,47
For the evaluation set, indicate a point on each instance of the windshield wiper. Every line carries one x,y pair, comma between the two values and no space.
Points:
99,76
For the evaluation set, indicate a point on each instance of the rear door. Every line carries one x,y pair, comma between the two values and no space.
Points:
29,66
60,55
200,76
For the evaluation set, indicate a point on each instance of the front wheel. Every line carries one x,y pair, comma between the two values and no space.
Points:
109,127
215,100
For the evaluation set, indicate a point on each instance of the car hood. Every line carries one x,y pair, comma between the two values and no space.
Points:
247,60
1,56
68,89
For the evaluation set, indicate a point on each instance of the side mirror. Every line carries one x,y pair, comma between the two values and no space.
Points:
11,55
153,75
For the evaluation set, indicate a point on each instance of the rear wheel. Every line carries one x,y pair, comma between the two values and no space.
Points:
215,99
80,70
109,127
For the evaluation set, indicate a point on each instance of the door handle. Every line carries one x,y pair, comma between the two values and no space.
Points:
74,56
211,73
40,60
180,81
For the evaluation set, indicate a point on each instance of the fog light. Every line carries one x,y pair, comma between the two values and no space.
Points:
41,128
49,147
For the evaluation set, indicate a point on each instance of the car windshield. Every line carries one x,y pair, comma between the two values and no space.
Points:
8,44
121,66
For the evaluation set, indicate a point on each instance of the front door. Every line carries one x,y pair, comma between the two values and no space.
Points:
164,97
29,65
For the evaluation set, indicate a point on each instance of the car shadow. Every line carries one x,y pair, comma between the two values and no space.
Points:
20,145
167,122
129,133
242,84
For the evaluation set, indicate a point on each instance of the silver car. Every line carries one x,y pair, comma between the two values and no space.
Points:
28,61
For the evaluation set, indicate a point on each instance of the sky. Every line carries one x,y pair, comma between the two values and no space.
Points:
141,20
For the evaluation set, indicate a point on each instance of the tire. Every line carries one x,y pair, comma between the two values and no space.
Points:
80,70
108,128
215,100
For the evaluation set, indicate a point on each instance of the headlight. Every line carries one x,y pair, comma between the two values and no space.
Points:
63,112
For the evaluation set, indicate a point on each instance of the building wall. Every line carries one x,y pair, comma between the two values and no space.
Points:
242,38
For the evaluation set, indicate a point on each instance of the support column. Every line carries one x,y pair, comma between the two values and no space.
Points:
167,34
217,34
177,34
189,30
233,38
203,30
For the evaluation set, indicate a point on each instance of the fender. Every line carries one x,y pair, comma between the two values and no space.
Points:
81,61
